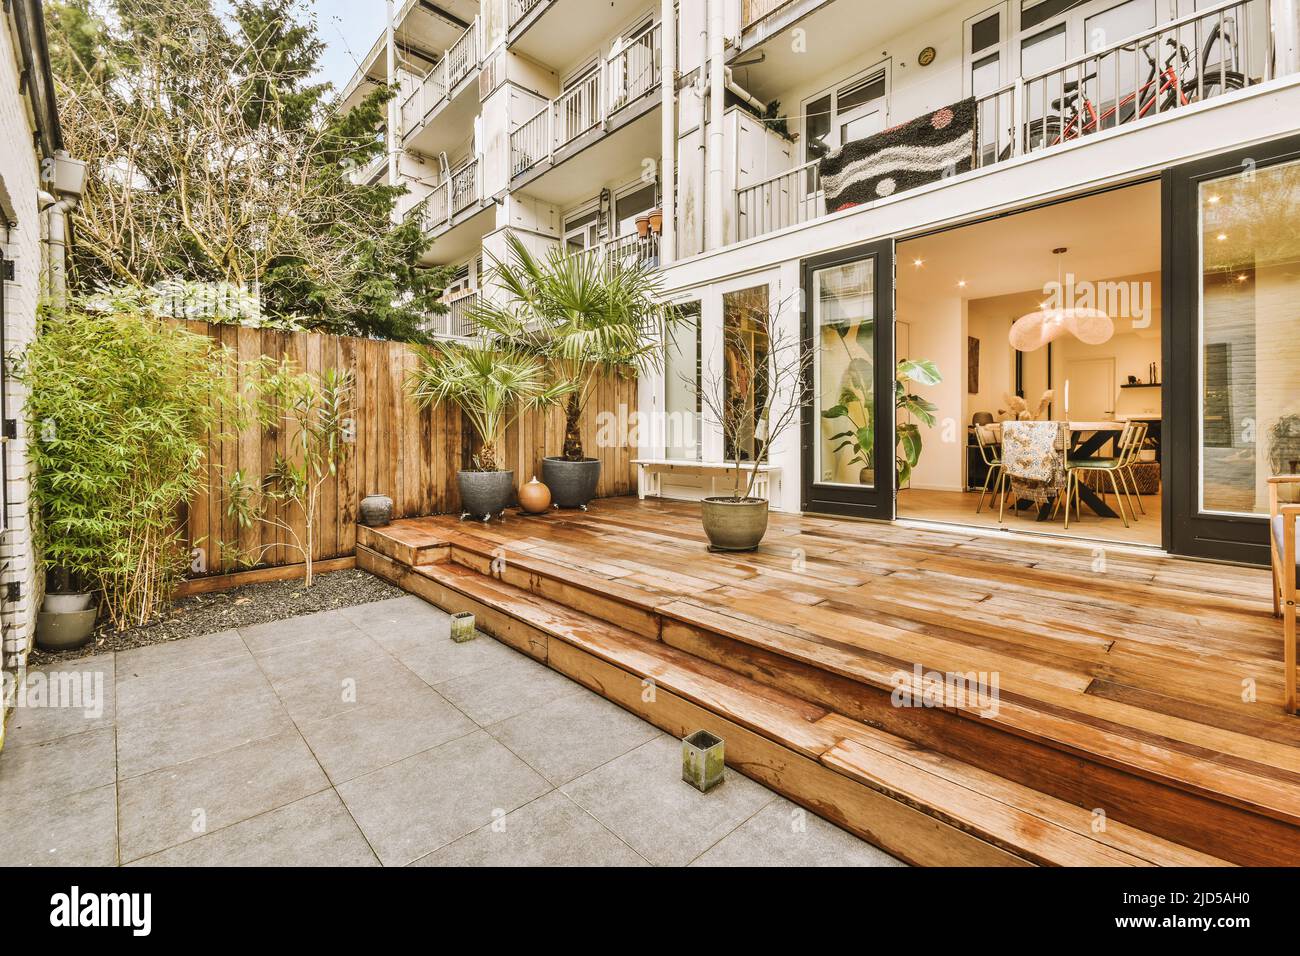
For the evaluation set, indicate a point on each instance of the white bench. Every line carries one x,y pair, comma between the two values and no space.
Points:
651,471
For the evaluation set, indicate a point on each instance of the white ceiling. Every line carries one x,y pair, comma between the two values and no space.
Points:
1108,236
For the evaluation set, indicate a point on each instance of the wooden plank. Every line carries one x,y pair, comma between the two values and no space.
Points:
283,572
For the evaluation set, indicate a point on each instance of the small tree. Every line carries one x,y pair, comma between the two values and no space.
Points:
588,316
492,384
314,412
759,393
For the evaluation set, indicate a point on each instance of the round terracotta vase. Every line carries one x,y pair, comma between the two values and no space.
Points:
535,497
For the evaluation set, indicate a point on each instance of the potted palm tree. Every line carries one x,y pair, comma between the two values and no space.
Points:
587,317
492,383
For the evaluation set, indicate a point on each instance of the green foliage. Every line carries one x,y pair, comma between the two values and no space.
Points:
856,406
215,158
119,412
492,384
314,411
587,316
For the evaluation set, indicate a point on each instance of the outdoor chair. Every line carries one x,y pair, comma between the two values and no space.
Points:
1286,574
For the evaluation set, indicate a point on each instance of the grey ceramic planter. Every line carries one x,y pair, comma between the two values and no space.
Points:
485,494
734,525
572,483
64,630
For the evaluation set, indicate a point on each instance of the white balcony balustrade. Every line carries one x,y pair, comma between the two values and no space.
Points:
459,61
1188,60
631,73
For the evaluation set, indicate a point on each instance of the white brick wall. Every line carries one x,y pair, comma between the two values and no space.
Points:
20,175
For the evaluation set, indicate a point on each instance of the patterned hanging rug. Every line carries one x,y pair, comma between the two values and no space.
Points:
922,151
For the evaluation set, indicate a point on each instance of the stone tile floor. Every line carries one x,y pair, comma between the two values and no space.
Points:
364,736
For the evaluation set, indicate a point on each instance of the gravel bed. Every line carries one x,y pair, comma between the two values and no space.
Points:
238,607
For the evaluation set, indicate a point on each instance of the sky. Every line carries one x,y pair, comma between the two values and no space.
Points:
348,28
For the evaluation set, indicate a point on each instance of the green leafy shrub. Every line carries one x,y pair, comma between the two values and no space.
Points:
119,411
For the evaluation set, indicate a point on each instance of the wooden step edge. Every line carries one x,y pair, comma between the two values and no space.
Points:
410,547
1146,847
991,821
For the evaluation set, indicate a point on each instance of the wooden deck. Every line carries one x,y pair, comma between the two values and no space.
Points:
1138,717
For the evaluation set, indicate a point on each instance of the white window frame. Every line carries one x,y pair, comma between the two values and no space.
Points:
969,56
626,190
885,66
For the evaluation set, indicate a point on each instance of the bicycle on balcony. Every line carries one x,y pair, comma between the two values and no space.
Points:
1178,80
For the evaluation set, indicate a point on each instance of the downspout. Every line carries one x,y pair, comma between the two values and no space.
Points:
394,107
56,232
668,140
743,94
714,216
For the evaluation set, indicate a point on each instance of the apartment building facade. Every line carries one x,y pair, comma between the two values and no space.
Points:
902,181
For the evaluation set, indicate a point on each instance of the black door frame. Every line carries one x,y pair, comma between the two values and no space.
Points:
1187,531
878,501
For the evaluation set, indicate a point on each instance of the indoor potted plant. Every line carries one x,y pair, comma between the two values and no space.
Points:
857,409
492,382
587,318
756,399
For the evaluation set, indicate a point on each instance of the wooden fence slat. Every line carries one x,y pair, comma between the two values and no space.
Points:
410,454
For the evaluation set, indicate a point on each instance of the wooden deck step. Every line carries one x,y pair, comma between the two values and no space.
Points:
1057,731
921,805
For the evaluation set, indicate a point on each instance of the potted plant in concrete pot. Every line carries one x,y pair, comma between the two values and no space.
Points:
492,382
67,615
588,318
765,381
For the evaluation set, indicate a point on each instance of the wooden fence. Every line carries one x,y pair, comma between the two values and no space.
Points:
400,451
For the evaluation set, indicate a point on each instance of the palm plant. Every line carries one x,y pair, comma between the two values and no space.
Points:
587,316
491,383
857,408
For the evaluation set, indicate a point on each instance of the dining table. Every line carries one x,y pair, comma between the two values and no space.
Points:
1089,440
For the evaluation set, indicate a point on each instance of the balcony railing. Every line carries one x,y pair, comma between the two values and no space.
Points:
518,9
462,59
784,200
588,104
1197,57
451,197
626,252
755,10
465,187
456,321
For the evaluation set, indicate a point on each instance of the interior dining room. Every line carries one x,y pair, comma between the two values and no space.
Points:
1045,327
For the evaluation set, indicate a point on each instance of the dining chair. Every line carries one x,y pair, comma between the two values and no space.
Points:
1128,446
989,440
1132,454
1033,463
1286,574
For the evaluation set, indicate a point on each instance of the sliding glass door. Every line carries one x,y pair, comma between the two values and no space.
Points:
848,425
1235,352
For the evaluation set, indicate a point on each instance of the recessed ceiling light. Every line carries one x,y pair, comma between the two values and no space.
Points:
1222,237
918,262
1242,278
1212,200
961,283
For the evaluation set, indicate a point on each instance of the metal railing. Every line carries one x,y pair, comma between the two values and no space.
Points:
456,322
1197,57
462,57
624,78
458,62
634,71
786,199
465,190
518,9
531,143
428,93
1191,59
577,109
630,251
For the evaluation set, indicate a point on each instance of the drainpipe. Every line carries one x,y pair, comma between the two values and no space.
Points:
741,93
56,232
717,99
394,107
668,141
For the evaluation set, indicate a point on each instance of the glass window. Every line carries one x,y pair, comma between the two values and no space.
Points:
1034,12
844,329
817,127
1249,336
632,204
985,75
580,231
857,94
1042,51
1119,72
682,405
745,356
986,33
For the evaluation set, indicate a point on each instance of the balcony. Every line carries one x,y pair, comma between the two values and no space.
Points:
455,215
1112,88
456,322
618,93
445,93
626,252
560,34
